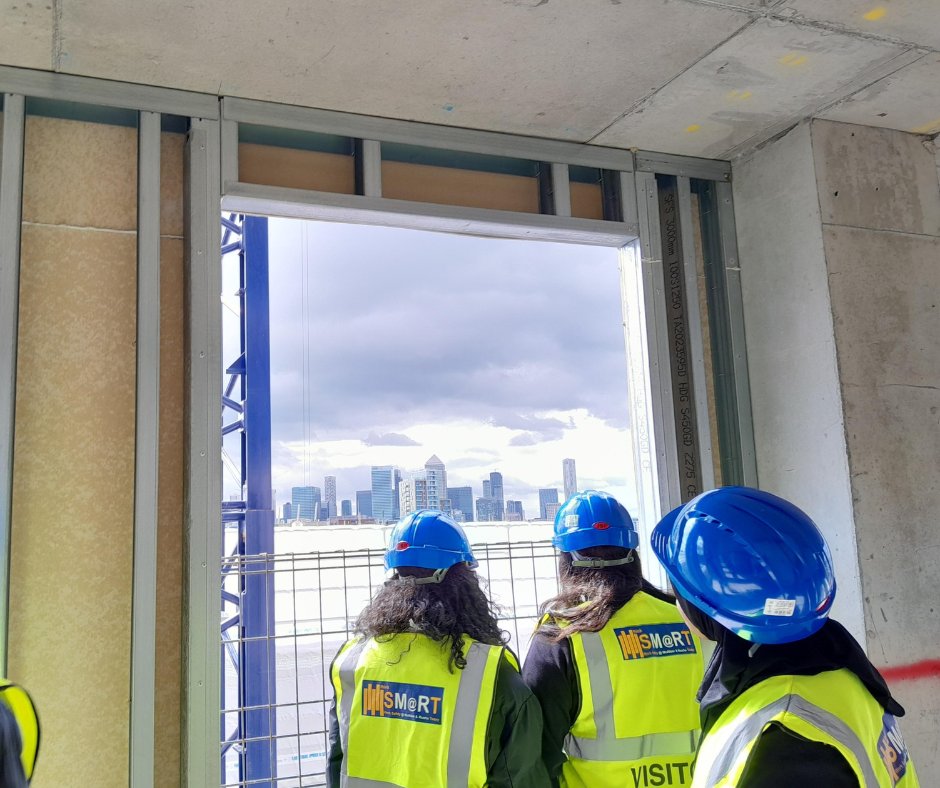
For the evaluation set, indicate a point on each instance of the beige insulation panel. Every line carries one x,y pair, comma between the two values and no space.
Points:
73,465
74,452
467,188
296,169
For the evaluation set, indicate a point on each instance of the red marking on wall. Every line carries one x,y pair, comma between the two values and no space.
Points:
918,670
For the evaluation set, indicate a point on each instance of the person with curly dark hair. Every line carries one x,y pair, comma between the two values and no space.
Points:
612,663
427,693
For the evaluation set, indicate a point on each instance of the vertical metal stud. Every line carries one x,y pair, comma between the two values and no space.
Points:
229,152
371,168
11,202
561,189
204,472
735,305
663,432
695,342
147,460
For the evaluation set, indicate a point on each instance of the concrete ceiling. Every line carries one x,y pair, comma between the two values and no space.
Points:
700,77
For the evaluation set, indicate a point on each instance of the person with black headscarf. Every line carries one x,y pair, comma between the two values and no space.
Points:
789,697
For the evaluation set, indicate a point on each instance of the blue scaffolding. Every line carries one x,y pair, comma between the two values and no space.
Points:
248,633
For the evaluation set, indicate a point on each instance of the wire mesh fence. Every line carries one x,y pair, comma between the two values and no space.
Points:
317,597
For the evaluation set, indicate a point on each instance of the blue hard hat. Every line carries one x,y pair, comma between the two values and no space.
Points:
752,561
428,539
593,519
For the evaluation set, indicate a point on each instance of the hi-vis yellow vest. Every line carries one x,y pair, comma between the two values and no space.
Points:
406,720
638,724
18,701
832,707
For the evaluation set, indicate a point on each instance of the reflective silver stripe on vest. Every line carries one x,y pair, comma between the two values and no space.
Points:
361,782
465,715
460,747
752,725
607,747
632,749
347,681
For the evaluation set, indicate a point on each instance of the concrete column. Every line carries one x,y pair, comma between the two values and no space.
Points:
840,251
795,394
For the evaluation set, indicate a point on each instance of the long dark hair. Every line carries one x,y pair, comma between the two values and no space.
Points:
445,611
589,597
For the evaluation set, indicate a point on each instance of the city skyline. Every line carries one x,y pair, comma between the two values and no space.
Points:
401,491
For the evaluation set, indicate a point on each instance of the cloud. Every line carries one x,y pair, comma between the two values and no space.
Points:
389,439
376,330
384,327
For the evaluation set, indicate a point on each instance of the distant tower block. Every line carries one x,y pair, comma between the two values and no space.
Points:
570,478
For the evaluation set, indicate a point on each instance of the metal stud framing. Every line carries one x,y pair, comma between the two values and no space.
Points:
147,446
11,192
212,179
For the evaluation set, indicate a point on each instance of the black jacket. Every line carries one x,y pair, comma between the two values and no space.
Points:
513,736
780,757
11,768
550,673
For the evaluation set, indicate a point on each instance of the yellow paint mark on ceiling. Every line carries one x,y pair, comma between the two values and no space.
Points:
693,128
875,14
740,95
793,59
928,128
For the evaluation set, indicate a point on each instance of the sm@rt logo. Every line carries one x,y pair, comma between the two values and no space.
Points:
654,640
412,702
892,749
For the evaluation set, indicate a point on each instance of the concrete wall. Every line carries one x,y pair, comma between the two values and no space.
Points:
880,205
840,254
74,452
795,394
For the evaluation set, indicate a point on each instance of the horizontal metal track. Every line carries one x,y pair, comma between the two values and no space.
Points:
424,134
107,93
326,206
683,166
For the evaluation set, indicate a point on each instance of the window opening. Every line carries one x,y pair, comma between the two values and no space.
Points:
407,369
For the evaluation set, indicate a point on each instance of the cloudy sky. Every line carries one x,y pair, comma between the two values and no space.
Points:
388,346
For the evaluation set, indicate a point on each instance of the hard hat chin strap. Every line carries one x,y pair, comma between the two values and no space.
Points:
599,563
411,580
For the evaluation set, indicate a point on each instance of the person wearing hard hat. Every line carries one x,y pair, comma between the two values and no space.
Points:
19,735
612,663
428,694
789,697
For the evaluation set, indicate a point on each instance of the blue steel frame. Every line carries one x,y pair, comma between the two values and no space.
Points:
252,650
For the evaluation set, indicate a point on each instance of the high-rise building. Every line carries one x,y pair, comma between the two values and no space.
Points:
287,513
396,482
514,511
345,509
384,493
329,495
436,475
461,500
305,502
496,492
551,509
486,510
570,478
363,503
412,495
486,489
547,495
